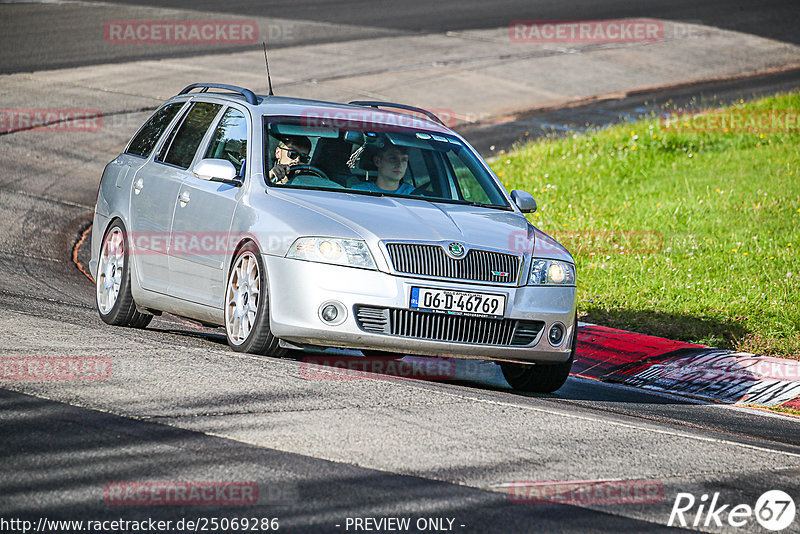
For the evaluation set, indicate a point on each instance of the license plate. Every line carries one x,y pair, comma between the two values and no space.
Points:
458,302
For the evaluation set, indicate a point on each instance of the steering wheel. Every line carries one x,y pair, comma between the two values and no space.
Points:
294,170
420,191
233,157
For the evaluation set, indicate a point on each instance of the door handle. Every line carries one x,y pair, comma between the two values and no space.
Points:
184,198
138,185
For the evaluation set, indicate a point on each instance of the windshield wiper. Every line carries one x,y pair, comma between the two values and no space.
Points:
364,191
478,204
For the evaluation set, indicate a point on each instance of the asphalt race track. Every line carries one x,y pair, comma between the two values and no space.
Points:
46,36
180,406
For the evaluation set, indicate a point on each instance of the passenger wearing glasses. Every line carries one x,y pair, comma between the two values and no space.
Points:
291,151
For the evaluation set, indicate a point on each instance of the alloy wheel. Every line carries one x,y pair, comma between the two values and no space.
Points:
241,298
109,270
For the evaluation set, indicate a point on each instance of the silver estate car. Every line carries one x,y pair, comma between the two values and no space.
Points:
296,224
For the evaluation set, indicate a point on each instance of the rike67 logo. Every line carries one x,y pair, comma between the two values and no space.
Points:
774,510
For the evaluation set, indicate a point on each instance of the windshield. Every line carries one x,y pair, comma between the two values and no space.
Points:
359,159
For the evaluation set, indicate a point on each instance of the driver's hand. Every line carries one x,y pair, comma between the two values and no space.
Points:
279,172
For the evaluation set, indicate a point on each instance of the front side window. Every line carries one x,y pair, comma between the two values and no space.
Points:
230,140
363,159
469,187
147,137
180,148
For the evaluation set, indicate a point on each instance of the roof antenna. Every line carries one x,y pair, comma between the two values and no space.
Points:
266,61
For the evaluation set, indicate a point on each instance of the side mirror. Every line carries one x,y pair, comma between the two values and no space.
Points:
217,170
524,201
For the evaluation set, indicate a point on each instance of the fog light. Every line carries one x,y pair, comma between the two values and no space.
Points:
330,313
556,335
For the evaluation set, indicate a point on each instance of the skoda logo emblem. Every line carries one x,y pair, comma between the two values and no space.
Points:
456,250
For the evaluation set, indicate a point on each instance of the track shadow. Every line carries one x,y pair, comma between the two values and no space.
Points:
64,462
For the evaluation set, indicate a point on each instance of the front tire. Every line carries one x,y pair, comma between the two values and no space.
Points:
113,296
247,306
540,378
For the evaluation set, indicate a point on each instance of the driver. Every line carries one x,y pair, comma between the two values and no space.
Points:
291,150
392,162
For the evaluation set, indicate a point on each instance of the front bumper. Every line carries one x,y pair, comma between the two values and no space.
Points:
297,290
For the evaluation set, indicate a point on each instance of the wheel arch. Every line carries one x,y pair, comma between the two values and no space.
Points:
98,234
239,246
243,241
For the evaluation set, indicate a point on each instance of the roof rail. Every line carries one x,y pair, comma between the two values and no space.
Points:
248,95
378,103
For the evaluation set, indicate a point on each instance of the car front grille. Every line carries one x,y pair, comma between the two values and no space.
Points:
445,327
432,261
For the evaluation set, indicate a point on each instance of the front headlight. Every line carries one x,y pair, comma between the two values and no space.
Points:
349,252
552,272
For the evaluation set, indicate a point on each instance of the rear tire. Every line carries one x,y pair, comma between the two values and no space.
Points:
540,378
247,306
113,296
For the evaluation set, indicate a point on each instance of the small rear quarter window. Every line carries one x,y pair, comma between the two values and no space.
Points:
147,137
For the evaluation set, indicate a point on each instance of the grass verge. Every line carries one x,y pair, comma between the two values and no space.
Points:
784,410
690,235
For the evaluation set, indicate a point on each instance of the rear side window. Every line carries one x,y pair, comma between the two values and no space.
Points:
144,141
184,143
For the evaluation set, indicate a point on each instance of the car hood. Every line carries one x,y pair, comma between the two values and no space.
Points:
376,218
548,248
390,218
